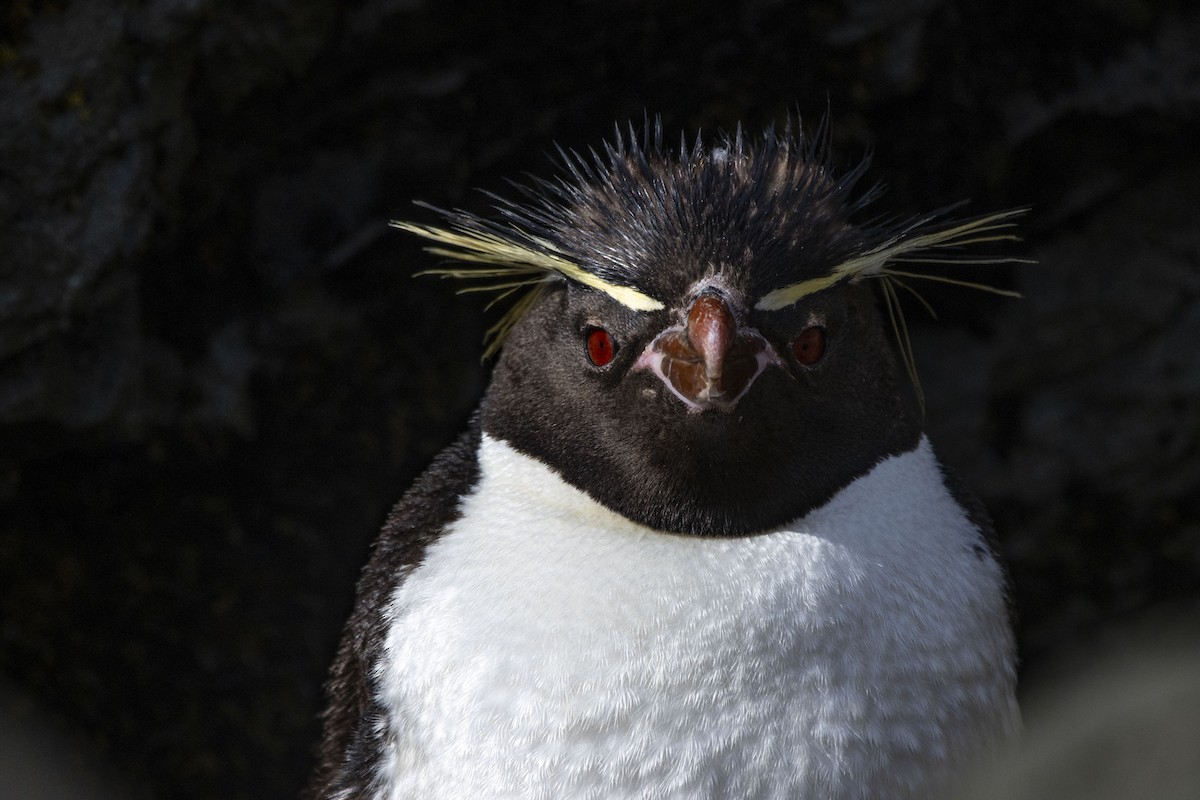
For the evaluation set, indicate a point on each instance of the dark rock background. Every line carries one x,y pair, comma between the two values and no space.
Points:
217,373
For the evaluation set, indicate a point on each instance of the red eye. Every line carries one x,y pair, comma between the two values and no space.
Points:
600,346
809,346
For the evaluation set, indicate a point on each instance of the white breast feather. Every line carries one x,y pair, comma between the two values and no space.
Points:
549,648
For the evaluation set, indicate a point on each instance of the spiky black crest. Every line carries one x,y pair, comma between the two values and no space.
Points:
643,222
640,215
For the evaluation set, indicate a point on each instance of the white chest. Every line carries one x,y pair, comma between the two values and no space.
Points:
549,648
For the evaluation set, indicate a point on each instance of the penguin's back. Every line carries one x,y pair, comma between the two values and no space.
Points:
547,647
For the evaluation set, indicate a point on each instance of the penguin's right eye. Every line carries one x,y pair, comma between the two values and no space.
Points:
601,348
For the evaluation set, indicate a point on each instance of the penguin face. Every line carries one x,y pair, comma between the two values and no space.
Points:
696,347
805,399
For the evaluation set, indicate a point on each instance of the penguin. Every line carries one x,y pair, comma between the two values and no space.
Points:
695,542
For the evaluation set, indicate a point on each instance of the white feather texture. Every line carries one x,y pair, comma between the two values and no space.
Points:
547,647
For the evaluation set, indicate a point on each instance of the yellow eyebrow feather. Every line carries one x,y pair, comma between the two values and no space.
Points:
874,261
509,260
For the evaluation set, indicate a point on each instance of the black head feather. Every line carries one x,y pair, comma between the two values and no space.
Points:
643,223
768,214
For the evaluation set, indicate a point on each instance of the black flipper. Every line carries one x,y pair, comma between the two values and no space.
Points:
350,747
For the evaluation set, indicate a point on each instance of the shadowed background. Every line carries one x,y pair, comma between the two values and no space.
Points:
217,372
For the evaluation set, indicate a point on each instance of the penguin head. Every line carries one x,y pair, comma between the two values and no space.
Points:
698,348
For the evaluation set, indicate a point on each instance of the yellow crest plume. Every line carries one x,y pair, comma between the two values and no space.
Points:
506,266
912,245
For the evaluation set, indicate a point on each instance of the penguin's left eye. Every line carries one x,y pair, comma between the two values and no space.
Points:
600,346
809,346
